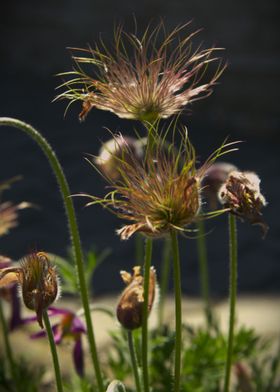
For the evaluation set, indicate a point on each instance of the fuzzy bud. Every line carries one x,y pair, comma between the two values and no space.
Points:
214,177
118,150
130,306
38,282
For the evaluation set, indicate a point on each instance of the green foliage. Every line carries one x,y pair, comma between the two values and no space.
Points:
27,377
266,372
203,359
67,269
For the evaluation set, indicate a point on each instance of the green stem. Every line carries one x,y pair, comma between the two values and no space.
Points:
147,266
232,296
135,366
178,309
203,271
165,270
73,228
53,351
6,339
139,246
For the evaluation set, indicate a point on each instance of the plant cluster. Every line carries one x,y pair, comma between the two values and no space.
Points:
158,189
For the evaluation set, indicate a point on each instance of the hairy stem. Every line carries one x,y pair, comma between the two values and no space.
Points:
53,351
147,266
232,296
134,363
7,344
203,271
178,309
165,270
73,229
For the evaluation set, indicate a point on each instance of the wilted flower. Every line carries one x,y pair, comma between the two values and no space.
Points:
70,327
158,193
9,211
130,305
115,150
38,282
214,177
142,78
241,194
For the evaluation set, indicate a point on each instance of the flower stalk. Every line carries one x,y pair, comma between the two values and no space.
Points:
73,229
165,270
7,343
56,366
232,296
147,266
203,271
133,357
178,310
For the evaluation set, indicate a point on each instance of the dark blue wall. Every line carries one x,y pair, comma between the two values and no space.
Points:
33,41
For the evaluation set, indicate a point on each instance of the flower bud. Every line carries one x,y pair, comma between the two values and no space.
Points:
241,194
214,177
38,282
130,306
117,150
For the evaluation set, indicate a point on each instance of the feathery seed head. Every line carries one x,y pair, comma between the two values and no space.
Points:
158,193
144,78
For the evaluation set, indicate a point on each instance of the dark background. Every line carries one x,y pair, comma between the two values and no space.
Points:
33,40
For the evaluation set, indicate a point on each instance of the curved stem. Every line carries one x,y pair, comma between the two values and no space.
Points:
135,366
178,309
6,339
203,271
53,351
165,270
232,296
73,229
147,265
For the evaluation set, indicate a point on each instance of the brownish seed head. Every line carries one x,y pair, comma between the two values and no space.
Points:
241,194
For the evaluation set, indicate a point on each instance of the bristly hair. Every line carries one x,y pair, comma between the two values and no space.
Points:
144,78
161,191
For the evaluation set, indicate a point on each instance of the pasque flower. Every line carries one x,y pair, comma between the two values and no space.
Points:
159,193
241,194
144,78
37,280
69,327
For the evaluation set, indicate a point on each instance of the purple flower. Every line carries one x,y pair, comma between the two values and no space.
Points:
69,326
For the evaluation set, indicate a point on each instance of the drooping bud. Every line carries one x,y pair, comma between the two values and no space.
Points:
117,150
214,177
130,306
38,282
241,194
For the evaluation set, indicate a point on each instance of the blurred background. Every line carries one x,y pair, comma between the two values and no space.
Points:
33,41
